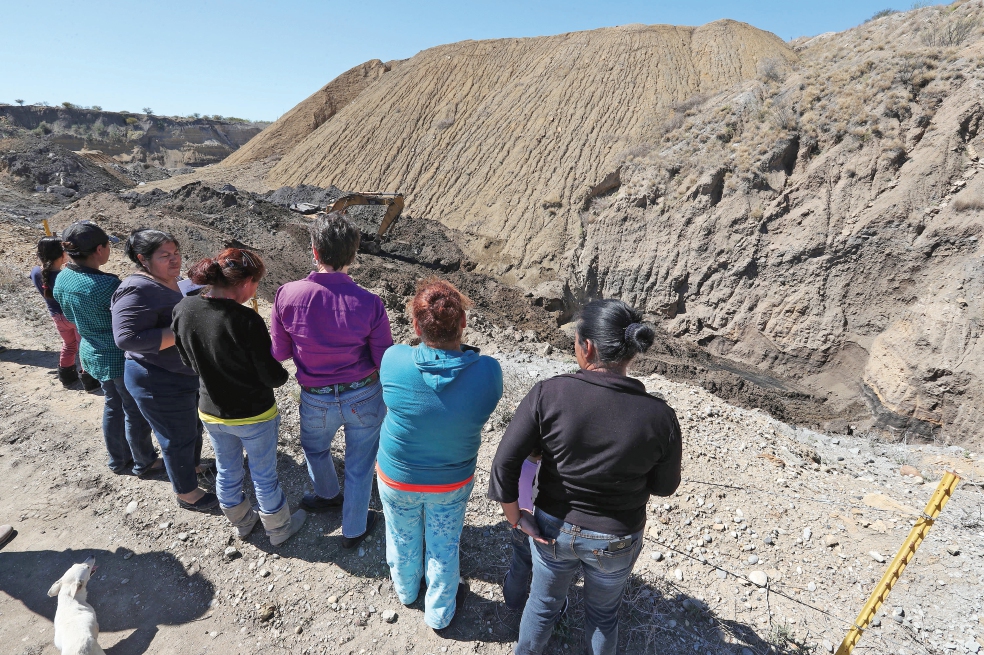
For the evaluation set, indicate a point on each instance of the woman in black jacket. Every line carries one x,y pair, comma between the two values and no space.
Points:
228,345
607,445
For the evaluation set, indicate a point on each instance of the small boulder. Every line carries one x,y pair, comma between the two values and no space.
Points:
758,578
389,616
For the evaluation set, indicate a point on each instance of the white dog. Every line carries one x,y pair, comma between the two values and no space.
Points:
76,628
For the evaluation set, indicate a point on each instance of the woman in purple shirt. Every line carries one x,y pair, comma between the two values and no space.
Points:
337,332
165,388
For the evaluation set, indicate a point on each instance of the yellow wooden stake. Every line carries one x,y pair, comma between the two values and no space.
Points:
902,558
47,228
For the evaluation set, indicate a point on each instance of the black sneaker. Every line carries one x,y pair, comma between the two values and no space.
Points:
352,542
315,503
203,504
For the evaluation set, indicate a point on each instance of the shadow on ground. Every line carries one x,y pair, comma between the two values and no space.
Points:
38,358
139,594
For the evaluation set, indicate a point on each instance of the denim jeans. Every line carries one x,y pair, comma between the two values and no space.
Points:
554,567
361,411
423,531
516,585
169,402
125,430
260,442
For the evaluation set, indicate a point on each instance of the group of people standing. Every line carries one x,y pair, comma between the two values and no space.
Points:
183,357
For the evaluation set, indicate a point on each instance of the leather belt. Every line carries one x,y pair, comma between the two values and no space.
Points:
344,386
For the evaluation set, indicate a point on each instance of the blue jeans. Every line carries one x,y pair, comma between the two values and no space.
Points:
260,442
125,430
423,531
516,585
361,411
554,567
169,402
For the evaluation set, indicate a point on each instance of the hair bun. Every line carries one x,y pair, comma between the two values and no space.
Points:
640,336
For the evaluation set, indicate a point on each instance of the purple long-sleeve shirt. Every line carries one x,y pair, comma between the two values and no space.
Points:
335,330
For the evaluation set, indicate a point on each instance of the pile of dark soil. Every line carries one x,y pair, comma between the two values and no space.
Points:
32,164
303,193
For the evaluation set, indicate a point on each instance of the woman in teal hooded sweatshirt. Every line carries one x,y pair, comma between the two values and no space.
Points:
438,397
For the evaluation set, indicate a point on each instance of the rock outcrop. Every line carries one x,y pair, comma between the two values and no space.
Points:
167,142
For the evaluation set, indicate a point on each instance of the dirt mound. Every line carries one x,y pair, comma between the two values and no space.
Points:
503,139
294,126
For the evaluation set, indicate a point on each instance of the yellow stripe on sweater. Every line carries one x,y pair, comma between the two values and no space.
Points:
259,418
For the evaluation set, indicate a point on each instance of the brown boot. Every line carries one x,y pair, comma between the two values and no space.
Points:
243,517
281,526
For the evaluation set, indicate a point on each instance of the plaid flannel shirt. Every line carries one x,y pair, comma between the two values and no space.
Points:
84,295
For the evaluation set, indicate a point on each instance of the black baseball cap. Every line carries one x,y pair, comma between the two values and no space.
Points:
82,238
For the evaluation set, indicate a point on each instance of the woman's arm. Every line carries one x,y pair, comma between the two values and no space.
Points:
522,435
268,370
135,323
381,337
282,346
664,478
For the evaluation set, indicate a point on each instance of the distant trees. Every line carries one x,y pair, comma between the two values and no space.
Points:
148,111
19,102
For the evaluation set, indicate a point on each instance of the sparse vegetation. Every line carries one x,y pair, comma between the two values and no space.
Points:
130,120
882,14
946,33
19,102
42,129
148,111
773,69
69,105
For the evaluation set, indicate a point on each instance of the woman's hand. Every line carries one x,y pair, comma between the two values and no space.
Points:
528,525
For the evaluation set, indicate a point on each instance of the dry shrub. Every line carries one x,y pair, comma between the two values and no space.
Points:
772,69
942,33
968,203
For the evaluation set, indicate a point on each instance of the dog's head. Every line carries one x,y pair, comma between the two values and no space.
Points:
75,579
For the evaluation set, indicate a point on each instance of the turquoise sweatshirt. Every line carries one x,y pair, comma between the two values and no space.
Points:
437,402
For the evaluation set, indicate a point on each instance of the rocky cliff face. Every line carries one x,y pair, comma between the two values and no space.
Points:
163,141
824,225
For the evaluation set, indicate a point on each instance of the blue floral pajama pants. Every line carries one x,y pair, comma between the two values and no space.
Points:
423,531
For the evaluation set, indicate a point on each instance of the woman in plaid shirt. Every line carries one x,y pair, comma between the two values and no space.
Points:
84,293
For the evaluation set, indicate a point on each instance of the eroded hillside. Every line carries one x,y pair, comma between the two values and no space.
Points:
811,209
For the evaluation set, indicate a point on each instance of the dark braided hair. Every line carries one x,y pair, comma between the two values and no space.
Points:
50,250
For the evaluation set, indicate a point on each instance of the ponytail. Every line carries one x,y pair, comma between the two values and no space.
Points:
50,250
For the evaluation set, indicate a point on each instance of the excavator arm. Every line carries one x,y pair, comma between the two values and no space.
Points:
392,201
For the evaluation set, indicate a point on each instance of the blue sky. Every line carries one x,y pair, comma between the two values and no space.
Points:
257,59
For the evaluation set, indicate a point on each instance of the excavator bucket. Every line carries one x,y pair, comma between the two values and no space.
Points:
392,201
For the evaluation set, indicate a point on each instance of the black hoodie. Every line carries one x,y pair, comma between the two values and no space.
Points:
607,445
